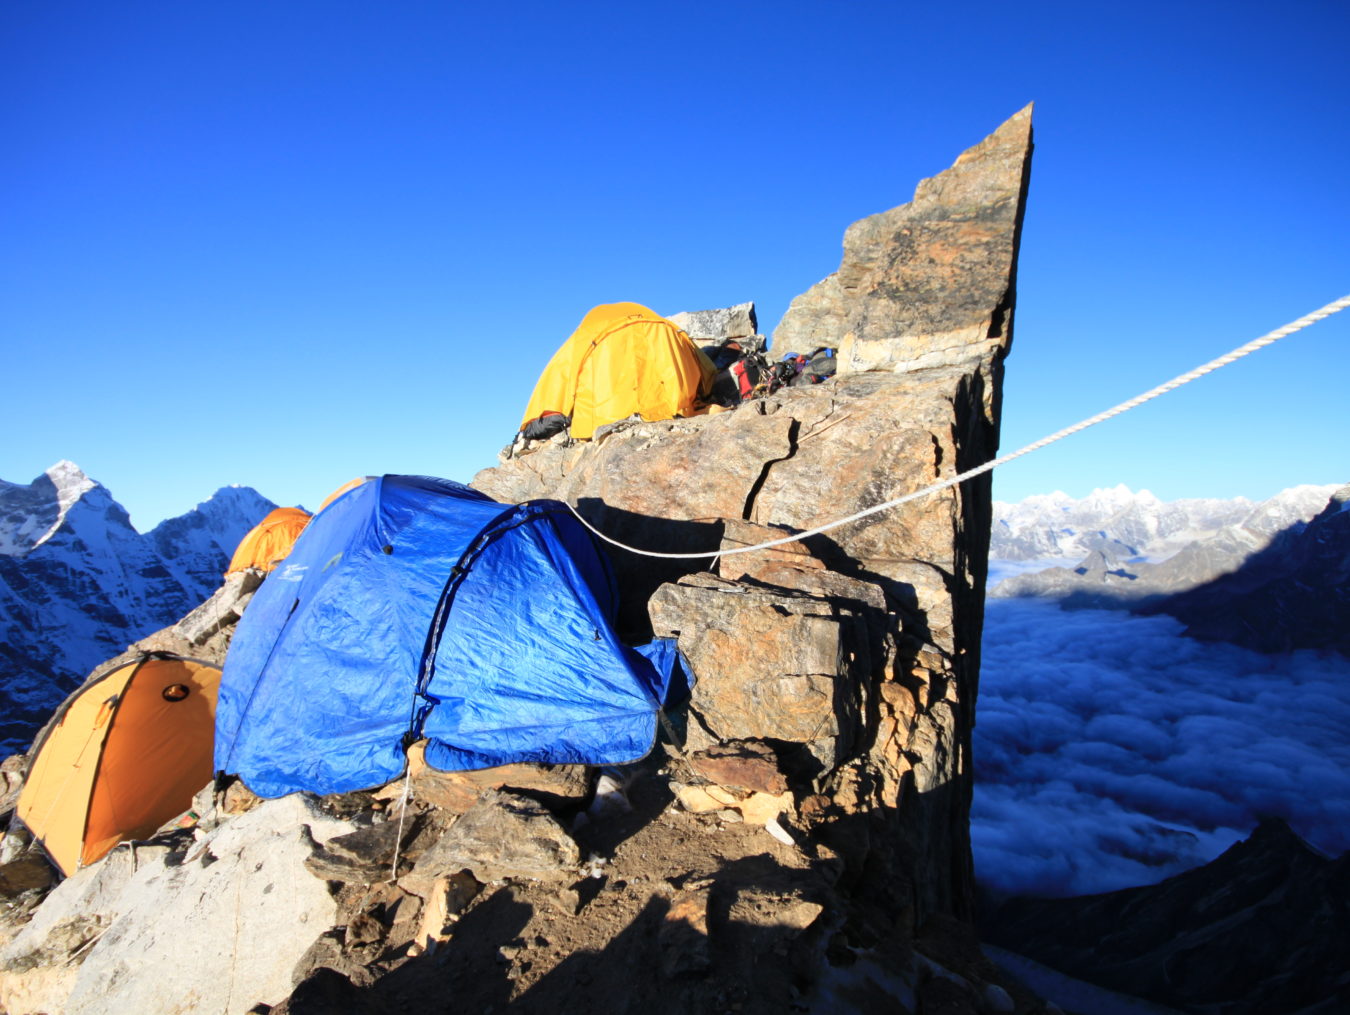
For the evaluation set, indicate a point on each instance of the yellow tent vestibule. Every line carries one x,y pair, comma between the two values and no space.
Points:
622,360
123,754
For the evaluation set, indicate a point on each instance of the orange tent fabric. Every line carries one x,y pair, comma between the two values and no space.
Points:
351,484
622,359
123,754
267,543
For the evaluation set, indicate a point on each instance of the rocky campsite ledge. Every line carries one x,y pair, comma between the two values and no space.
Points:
806,846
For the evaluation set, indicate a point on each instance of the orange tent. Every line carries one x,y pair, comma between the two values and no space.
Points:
267,543
351,484
123,754
622,359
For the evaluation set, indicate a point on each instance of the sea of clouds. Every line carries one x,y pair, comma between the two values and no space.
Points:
1111,751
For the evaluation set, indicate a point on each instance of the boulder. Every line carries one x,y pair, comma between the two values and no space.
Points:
221,927
705,326
205,625
206,631
503,835
771,665
360,857
836,682
743,764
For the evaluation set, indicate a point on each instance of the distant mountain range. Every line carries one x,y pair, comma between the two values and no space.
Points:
78,583
1272,576
1124,526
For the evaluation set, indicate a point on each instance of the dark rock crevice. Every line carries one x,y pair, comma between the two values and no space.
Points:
748,511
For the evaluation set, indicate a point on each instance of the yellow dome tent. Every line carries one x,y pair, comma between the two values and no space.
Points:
622,359
123,754
267,543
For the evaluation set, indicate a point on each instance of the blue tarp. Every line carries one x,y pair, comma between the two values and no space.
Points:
414,607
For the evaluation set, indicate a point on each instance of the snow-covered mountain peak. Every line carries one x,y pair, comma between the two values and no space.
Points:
1119,496
70,481
1109,499
30,515
1297,502
229,509
1126,525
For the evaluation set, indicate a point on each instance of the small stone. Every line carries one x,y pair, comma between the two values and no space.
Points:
567,901
724,796
239,799
997,1000
697,800
446,898
778,832
761,808
683,937
363,930
25,874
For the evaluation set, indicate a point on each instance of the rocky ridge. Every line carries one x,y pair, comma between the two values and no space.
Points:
1263,928
1293,593
804,847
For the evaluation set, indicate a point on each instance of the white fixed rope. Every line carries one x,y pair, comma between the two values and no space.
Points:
1259,343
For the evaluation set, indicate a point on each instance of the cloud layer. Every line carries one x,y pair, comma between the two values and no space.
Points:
1110,751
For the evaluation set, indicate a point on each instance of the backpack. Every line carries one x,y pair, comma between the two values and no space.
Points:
545,426
800,370
738,381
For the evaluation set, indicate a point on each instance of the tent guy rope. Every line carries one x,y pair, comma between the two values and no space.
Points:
1258,343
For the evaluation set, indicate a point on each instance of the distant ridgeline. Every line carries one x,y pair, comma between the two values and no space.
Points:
1268,576
78,583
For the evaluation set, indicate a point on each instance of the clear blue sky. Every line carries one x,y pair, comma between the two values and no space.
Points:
285,244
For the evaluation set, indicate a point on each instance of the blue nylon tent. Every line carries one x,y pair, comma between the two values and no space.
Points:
413,607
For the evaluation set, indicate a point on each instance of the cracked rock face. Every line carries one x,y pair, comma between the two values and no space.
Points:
930,283
772,665
865,652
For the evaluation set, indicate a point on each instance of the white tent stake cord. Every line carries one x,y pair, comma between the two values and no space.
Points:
1138,400
402,811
